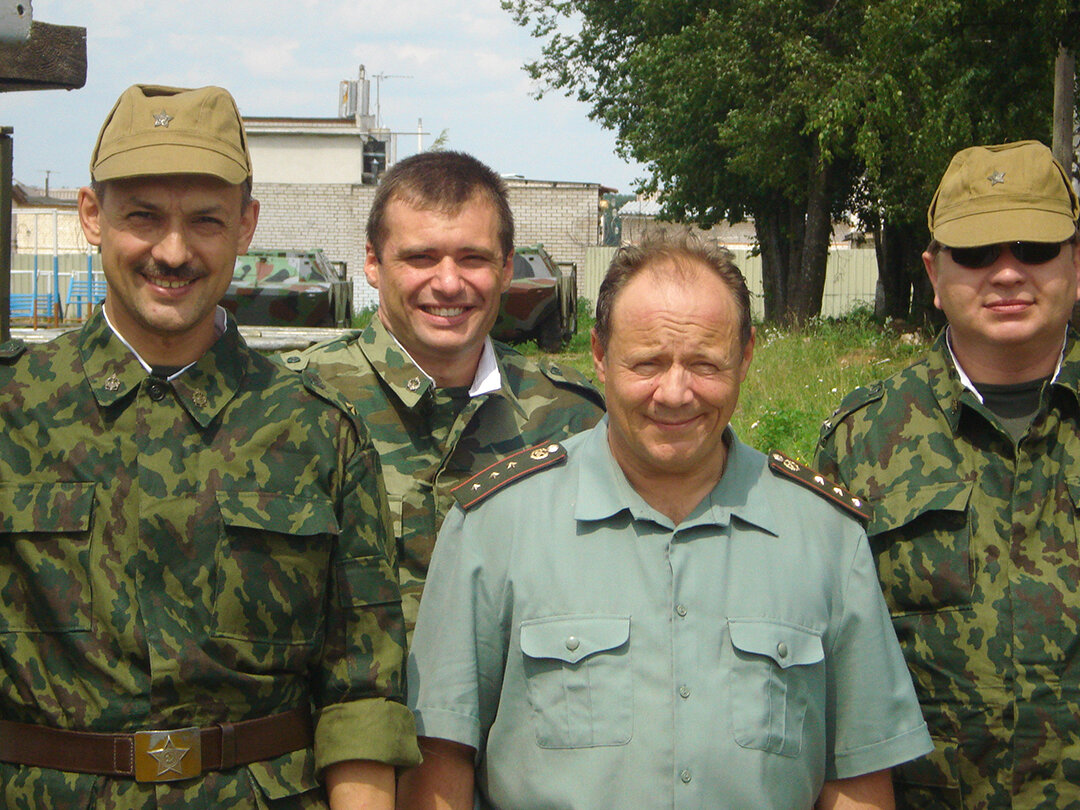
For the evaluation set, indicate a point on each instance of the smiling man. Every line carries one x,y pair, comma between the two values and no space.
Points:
443,400
199,601
971,461
660,616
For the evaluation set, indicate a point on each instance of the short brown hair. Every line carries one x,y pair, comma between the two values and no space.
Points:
630,260
444,181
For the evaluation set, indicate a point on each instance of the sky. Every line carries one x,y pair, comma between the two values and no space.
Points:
463,58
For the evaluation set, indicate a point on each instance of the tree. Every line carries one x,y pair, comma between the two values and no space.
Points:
717,99
795,111
935,77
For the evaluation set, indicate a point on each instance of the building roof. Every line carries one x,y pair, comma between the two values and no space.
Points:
33,197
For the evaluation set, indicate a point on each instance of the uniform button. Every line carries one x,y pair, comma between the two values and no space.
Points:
684,692
572,643
680,609
292,359
781,649
157,390
685,775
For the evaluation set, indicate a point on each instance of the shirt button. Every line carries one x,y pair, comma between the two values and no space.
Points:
781,649
684,692
572,643
156,390
680,609
685,775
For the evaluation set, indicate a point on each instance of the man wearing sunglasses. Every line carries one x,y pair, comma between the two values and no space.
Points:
971,461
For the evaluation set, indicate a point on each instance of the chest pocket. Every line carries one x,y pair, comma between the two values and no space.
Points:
778,669
921,540
273,561
45,540
579,680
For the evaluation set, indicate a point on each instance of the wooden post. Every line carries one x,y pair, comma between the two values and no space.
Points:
5,231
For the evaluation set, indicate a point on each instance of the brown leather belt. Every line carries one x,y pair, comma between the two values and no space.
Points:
156,756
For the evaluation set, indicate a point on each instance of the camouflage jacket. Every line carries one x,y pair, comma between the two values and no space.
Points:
183,553
976,547
431,439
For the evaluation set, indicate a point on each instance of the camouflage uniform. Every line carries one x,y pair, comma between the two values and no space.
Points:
975,539
431,439
190,552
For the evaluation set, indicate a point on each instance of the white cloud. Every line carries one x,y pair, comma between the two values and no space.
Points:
282,57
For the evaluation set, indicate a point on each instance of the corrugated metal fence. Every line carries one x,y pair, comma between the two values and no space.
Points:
850,278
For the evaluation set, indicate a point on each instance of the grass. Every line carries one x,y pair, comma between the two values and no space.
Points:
797,377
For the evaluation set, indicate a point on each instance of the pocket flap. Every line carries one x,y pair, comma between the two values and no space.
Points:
901,505
573,638
786,644
58,506
272,511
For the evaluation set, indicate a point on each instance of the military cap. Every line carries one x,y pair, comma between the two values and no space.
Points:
1003,193
154,130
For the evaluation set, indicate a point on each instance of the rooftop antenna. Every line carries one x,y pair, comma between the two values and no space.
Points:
378,77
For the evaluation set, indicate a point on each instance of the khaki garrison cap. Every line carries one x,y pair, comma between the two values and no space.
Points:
171,130
1004,193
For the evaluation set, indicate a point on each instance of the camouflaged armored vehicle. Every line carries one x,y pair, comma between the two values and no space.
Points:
541,303
289,288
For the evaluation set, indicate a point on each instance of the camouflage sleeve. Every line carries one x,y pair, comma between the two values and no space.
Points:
569,377
359,687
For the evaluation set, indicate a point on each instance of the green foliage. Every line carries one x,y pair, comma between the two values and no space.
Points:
789,110
798,377
362,318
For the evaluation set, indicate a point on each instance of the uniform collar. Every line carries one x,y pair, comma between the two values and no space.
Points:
113,371
603,490
410,382
953,389
970,386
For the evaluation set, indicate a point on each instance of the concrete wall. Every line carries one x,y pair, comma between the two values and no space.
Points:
306,158
850,278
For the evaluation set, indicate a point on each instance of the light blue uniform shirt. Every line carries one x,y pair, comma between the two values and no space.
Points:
598,656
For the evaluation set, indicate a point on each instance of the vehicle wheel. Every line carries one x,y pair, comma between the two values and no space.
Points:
550,337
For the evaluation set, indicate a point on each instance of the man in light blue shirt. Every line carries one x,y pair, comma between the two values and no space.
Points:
663,617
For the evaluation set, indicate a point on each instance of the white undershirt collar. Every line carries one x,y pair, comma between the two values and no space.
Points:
220,322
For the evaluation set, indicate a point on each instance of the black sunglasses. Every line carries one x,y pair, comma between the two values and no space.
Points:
976,258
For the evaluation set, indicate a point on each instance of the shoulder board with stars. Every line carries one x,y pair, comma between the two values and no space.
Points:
801,474
507,470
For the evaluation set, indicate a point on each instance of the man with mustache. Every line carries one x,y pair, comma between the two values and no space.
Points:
971,462
441,399
199,603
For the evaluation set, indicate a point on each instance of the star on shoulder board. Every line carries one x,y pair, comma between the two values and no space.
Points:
801,474
506,471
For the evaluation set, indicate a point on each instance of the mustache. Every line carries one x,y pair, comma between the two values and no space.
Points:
181,272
